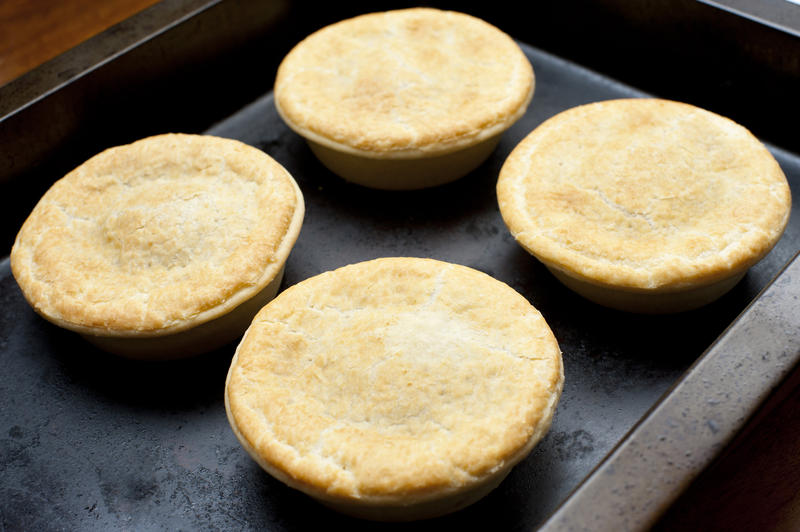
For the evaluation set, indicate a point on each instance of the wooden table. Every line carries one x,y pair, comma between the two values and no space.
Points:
34,31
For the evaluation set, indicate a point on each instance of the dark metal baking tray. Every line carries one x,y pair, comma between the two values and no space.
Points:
92,442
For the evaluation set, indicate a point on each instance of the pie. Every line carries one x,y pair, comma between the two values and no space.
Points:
645,205
394,389
404,99
161,248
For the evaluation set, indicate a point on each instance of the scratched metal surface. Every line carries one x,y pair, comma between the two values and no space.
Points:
91,442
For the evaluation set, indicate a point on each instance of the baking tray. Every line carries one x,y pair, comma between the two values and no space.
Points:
93,442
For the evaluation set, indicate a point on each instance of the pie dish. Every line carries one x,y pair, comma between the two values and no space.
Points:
404,99
644,205
388,391
162,248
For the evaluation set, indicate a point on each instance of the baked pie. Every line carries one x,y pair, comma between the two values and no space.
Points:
394,389
644,205
162,248
404,99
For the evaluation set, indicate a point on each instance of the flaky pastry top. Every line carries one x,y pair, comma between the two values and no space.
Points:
393,380
404,83
644,194
157,236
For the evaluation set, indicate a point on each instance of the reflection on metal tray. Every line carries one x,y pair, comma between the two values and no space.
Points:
88,441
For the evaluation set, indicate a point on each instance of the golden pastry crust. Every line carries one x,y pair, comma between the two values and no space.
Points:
644,194
404,83
157,236
393,381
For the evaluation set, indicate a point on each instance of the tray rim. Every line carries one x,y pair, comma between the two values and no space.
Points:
660,456
783,15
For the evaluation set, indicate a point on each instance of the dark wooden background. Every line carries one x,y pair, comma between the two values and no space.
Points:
34,31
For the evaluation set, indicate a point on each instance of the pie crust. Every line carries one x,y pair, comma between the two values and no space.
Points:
394,389
404,99
160,248
645,205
